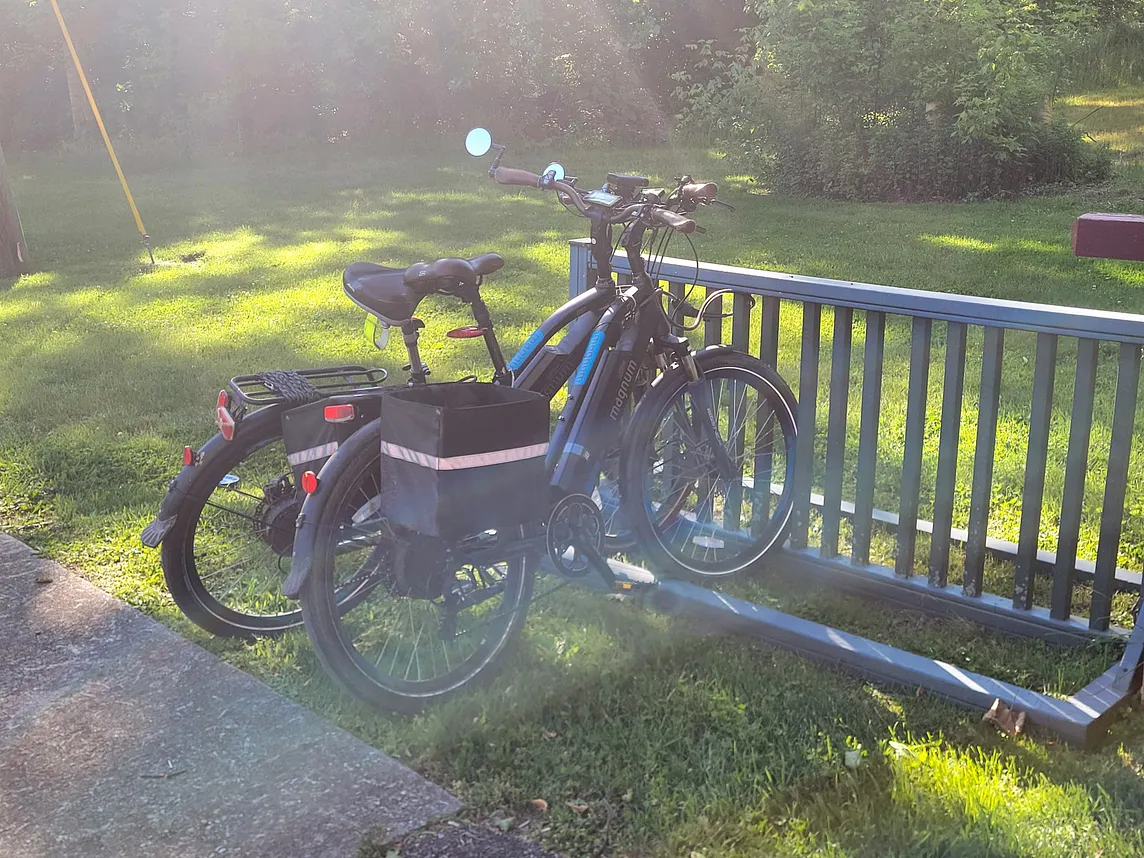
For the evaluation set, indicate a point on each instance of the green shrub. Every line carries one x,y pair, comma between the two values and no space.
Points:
897,99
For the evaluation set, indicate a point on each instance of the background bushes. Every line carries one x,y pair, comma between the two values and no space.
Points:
904,99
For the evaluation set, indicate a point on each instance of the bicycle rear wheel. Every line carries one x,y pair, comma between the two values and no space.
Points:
427,625
226,556
708,467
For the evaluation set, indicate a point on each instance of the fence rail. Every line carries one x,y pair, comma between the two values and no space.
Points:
1035,590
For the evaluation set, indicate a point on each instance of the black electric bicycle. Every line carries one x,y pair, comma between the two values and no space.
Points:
704,474
226,523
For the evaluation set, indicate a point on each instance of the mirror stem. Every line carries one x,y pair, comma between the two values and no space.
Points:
497,160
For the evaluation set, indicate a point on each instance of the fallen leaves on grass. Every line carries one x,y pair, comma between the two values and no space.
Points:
577,807
540,804
1011,721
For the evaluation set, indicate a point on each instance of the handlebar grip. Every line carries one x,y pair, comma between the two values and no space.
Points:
511,176
674,220
700,192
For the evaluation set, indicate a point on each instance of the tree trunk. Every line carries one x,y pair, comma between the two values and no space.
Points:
13,255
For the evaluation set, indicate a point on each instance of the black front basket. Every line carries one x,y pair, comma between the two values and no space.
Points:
462,458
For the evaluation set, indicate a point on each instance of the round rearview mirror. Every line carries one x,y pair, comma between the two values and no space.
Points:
478,142
556,168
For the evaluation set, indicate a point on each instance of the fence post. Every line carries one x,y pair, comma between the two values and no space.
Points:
1036,463
1076,464
953,387
916,400
807,406
579,257
836,429
988,405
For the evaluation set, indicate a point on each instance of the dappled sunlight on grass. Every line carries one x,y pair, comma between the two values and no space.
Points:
958,242
676,739
1114,118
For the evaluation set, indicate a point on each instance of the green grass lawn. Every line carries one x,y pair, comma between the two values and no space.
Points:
1114,117
679,741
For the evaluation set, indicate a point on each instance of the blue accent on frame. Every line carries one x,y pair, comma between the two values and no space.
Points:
590,355
521,357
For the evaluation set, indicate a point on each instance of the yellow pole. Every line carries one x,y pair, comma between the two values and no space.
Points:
103,130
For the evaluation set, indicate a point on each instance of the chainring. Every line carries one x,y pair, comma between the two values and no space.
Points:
575,521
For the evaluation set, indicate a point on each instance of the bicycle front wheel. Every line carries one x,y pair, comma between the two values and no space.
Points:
708,467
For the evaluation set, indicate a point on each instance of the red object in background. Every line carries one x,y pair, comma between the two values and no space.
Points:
1109,236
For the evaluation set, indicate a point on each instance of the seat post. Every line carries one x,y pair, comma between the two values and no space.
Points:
485,323
410,332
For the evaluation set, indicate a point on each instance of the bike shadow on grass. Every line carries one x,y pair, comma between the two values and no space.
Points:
676,734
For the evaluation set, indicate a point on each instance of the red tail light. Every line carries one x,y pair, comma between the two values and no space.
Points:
339,413
309,482
465,333
223,399
188,456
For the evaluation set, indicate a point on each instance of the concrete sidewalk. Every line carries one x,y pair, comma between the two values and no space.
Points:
120,738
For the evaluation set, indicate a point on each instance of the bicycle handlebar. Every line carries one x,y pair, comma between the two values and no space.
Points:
699,192
513,176
664,217
674,220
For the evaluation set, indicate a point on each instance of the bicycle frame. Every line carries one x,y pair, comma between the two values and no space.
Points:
619,322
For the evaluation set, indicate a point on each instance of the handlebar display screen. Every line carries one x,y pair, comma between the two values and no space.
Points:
603,198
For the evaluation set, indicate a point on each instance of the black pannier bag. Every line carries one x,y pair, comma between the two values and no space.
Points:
463,457
310,439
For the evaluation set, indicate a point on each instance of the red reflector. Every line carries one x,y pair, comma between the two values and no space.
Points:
339,413
465,333
223,399
188,456
225,423
309,482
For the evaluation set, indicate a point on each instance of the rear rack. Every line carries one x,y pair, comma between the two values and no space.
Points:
325,381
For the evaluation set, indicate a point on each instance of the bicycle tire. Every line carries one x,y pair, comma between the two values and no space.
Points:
333,633
659,537
182,565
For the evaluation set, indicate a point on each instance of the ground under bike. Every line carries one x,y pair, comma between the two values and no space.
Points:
704,476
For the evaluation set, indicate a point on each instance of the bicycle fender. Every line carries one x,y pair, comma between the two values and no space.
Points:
303,560
177,490
704,354
709,353
314,506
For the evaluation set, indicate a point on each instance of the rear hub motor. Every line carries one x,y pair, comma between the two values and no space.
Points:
277,513
419,568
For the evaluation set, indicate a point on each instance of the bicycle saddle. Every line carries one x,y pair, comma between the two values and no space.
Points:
445,275
392,294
